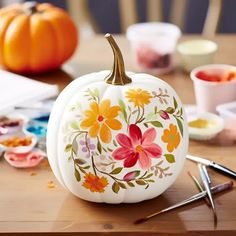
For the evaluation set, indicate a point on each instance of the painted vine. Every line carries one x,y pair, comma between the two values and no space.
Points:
91,133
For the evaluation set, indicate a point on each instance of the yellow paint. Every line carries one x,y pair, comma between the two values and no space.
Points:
201,123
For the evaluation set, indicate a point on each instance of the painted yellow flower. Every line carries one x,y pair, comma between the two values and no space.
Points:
171,136
138,96
100,118
95,183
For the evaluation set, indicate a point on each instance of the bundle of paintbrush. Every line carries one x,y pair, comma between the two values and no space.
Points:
207,193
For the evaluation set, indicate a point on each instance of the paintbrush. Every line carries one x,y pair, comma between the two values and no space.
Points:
216,189
206,182
200,188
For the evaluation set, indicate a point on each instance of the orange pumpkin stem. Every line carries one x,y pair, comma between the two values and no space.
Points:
117,75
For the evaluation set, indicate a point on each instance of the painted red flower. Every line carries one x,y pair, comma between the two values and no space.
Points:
137,147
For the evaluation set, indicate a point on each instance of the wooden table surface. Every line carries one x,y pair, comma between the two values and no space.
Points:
27,204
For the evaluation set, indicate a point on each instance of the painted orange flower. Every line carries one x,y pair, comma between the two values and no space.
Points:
138,96
95,183
100,118
171,136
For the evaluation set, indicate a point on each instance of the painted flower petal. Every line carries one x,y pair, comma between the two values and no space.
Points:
166,136
82,142
131,160
104,106
112,112
94,107
173,129
170,147
92,146
144,160
149,136
135,134
124,140
121,153
90,114
93,132
153,150
105,133
113,124
87,123
84,149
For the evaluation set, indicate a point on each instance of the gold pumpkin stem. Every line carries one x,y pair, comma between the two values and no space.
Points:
117,75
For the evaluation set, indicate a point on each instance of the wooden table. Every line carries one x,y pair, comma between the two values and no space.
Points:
28,205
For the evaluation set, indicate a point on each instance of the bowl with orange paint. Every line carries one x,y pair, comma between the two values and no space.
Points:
214,84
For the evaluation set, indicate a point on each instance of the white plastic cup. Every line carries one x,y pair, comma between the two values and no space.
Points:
196,53
211,94
153,45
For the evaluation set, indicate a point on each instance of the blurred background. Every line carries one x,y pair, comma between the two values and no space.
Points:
115,15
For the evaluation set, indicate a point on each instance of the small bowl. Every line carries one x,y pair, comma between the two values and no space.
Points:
153,45
210,94
12,123
24,160
19,149
215,124
195,53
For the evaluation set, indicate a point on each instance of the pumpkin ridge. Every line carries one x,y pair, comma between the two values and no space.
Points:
3,33
14,42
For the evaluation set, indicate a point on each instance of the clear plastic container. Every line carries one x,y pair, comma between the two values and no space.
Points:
153,45
228,112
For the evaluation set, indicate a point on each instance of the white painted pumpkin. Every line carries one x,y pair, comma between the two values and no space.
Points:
114,140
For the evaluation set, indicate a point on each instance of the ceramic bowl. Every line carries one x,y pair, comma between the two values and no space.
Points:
19,149
195,53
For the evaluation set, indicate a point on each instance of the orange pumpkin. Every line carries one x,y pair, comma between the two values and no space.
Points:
35,37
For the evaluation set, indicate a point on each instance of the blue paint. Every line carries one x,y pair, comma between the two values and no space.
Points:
38,130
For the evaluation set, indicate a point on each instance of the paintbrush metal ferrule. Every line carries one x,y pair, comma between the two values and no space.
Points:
206,184
215,166
216,189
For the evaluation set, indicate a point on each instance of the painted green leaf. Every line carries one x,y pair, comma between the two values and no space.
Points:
115,187
109,149
77,175
170,110
140,182
99,147
122,185
74,125
114,142
86,167
170,158
150,181
149,175
123,108
79,161
68,148
116,171
130,184
180,125
75,146
175,103
156,123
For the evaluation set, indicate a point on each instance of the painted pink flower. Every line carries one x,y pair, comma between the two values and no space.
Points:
137,147
164,115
